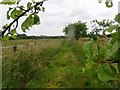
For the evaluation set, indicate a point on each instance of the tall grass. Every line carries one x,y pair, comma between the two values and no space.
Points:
19,68
49,64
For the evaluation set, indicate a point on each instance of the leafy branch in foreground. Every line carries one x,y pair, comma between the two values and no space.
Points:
19,11
105,60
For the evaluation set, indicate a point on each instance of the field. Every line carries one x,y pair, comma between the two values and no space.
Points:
50,63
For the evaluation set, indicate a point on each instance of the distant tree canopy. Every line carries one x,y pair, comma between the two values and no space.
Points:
24,36
76,30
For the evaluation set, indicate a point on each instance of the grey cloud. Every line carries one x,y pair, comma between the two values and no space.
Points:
59,13
77,12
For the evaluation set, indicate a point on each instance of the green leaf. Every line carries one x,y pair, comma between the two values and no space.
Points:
31,20
8,16
8,2
101,52
6,37
25,14
109,3
113,40
117,18
16,13
88,48
27,23
105,72
13,31
13,13
112,53
14,36
6,25
43,9
22,6
29,5
38,8
36,19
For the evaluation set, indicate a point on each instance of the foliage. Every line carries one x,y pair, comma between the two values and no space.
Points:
8,2
76,30
117,18
103,58
18,11
24,36
100,26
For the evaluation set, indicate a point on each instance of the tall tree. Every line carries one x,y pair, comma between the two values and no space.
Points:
76,30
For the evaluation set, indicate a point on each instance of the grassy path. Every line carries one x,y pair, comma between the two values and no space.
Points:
63,71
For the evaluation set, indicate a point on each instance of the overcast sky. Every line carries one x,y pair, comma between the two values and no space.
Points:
59,13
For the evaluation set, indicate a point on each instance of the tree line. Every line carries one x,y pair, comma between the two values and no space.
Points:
24,36
79,29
